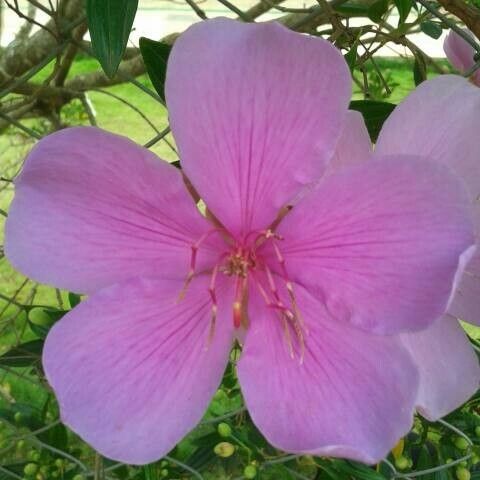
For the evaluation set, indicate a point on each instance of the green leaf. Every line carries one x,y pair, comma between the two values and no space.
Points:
351,9
110,23
403,7
431,29
55,436
155,55
419,69
377,10
374,113
41,319
23,355
74,299
351,57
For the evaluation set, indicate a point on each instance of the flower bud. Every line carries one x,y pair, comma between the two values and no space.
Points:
224,429
402,462
250,471
224,449
461,443
462,473
30,469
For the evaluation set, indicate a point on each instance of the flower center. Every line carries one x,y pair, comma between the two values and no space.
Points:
242,263
239,264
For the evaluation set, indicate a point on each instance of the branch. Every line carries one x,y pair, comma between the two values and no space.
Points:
469,14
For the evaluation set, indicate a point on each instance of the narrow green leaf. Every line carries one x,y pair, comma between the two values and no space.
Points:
351,9
351,57
377,10
23,355
110,23
41,319
432,29
155,55
419,69
374,113
74,299
403,7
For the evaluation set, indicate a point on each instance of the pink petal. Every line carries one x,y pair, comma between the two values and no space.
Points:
133,369
460,53
440,120
256,111
92,208
379,243
354,145
448,367
353,395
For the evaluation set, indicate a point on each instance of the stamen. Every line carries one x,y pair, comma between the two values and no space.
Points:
240,317
193,261
289,285
288,318
213,296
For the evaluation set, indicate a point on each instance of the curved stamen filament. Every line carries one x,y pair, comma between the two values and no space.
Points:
288,283
289,319
193,260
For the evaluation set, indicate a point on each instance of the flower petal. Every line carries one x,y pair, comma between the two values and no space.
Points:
354,145
92,209
379,243
353,395
440,120
133,369
256,111
460,53
448,367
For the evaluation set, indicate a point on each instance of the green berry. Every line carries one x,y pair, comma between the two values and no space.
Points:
79,476
250,471
224,429
220,395
477,431
402,462
59,463
462,473
461,443
30,469
164,472
224,449
18,417
40,317
20,445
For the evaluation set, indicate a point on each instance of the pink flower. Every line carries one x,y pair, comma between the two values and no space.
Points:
461,54
321,293
439,120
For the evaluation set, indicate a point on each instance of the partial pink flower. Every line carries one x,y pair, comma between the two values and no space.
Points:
439,120
372,248
461,54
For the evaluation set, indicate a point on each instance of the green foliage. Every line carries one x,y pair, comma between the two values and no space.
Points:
432,29
155,55
403,7
109,23
374,113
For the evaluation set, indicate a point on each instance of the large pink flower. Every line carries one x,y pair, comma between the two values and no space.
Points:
440,120
368,250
